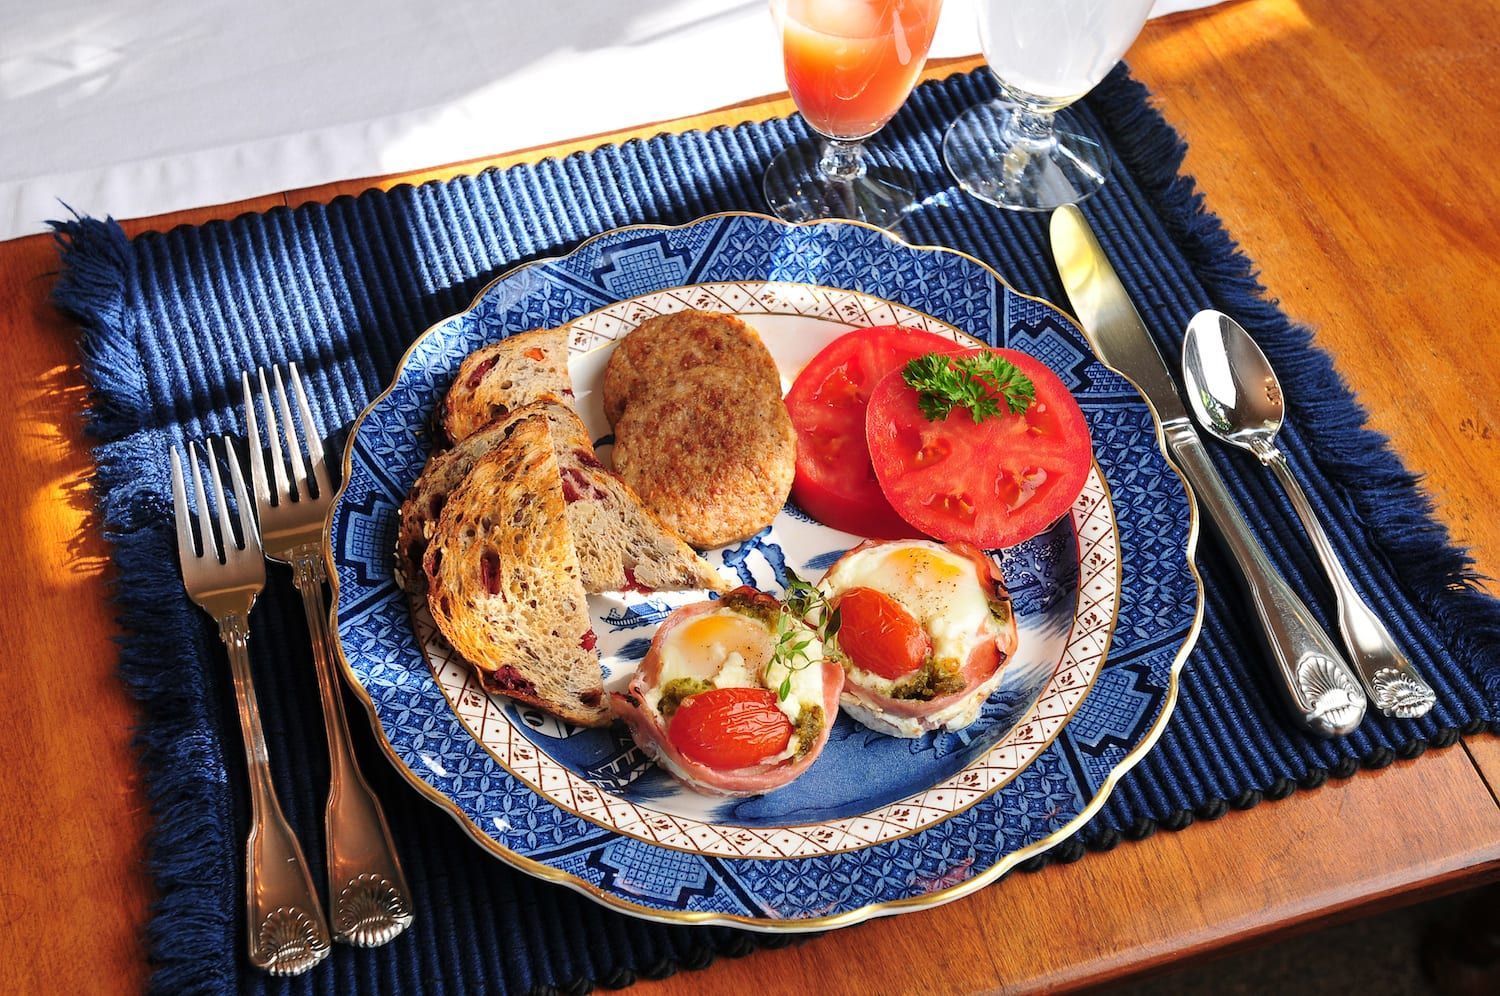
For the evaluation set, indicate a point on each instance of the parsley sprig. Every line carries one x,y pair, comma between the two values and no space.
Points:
979,382
805,616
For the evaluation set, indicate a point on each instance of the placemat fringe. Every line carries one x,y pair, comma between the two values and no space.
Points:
189,842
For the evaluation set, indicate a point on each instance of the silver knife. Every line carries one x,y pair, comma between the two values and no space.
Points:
1319,685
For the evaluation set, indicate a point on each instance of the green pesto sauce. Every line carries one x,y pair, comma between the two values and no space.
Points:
761,610
674,691
809,726
1000,610
937,678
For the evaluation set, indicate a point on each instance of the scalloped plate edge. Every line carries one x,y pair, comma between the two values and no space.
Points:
937,897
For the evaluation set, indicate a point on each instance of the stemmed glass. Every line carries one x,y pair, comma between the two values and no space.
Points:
850,65
1046,54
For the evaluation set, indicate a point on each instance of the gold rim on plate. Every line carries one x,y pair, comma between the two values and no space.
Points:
887,907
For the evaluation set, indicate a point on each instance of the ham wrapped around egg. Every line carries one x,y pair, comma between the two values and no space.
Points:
706,701
926,628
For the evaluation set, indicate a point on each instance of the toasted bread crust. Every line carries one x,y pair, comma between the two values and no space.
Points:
504,585
497,379
445,471
662,348
620,543
713,455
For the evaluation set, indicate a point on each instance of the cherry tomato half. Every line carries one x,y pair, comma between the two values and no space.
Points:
880,636
729,728
835,483
993,483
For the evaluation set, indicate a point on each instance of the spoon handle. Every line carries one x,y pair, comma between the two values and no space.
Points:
1389,677
1314,677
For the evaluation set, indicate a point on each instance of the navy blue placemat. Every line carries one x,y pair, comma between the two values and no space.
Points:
169,320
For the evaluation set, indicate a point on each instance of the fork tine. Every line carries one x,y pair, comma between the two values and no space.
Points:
257,457
310,432
187,548
205,527
226,529
293,448
283,489
248,526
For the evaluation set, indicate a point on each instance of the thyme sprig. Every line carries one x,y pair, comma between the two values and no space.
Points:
805,616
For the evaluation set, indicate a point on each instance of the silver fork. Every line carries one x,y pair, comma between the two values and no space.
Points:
287,933
371,902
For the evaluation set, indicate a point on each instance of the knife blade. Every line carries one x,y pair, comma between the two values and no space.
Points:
1110,321
1316,681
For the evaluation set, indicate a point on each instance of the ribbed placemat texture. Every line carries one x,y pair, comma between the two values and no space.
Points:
170,320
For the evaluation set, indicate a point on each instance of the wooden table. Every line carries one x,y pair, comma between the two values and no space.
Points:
1347,143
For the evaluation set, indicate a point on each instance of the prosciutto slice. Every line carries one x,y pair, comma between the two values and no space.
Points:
650,731
913,717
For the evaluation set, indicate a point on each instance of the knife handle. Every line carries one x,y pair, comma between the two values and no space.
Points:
1319,685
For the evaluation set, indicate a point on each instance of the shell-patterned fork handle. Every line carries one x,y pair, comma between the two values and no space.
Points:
368,893
288,934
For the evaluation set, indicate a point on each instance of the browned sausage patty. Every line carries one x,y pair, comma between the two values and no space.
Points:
712,454
660,349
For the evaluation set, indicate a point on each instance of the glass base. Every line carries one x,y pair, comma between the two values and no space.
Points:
990,157
798,190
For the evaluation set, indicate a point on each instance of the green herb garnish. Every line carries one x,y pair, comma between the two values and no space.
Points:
979,383
805,616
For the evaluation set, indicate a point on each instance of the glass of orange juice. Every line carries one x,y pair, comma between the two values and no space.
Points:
850,65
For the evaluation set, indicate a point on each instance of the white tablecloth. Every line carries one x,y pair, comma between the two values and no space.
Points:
137,107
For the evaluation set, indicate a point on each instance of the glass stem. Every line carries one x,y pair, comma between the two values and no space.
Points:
1033,128
842,161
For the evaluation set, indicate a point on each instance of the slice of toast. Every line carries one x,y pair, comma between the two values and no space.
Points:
445,471
504,585
497,379
621,545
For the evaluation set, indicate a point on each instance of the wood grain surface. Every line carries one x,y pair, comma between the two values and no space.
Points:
1344,142
1251,874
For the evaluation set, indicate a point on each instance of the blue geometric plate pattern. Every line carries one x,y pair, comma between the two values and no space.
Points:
1108,603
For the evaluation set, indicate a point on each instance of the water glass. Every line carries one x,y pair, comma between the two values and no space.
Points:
1046,54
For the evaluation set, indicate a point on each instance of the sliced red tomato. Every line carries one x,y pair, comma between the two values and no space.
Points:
993,483
835,483
880,636
730,728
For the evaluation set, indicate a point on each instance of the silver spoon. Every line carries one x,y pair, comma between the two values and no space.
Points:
1235,394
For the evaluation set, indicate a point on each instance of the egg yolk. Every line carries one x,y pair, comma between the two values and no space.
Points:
918,567
706,643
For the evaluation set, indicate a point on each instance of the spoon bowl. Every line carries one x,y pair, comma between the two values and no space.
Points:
1230,384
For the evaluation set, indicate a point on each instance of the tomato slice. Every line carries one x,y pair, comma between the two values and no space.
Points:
835,482
994,483
880,636
729,728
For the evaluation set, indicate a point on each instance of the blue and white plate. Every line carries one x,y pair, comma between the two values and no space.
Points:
1107,601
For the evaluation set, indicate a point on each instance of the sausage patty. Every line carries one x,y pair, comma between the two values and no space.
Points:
657,353
712,454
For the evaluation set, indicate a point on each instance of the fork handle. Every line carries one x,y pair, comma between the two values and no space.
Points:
370,898
287,932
